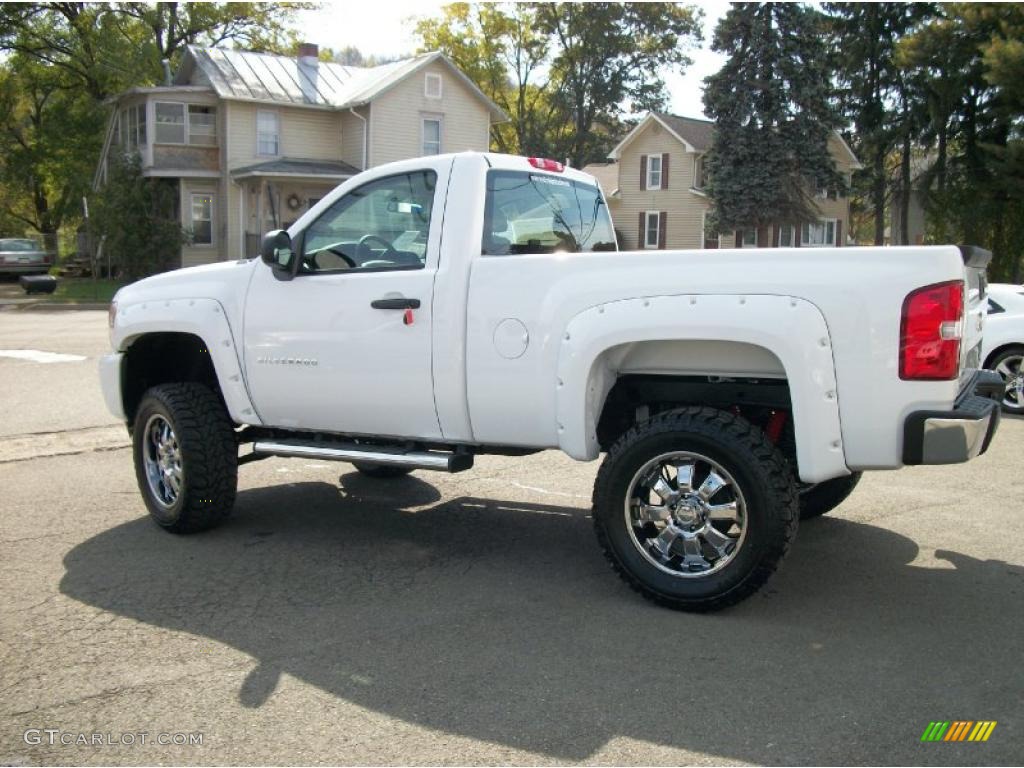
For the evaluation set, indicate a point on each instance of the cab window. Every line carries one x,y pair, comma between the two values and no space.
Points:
531,213
382,225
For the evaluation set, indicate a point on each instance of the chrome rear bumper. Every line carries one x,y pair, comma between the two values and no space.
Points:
952,437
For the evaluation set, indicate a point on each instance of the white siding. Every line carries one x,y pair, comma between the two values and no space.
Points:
309,134
684,208
352,137
396,118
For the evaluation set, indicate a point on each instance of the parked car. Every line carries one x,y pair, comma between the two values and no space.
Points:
23,256
432,310
1003,347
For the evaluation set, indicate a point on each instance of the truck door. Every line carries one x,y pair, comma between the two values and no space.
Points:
345,346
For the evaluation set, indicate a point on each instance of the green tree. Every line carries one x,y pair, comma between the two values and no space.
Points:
965,57
610,54
48,145
772,103
501,49
106,48
65,59
565,72
137,219
872,90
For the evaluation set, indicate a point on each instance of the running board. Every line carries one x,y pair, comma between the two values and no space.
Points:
436,460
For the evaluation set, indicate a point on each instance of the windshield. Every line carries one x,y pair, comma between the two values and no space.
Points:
18,245
530,213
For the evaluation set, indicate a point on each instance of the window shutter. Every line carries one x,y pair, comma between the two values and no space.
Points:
664,171
839,232
643,172
642,241
662,227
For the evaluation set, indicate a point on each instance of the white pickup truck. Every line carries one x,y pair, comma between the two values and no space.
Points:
435,309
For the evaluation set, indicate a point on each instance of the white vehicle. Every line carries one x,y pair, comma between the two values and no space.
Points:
731,391
1003,347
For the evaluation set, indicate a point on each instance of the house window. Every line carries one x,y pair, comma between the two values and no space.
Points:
170,123
133,127
268,133
202,125
654,172
652,229
431,135
819,233
432,85
202,219
787,237
748,238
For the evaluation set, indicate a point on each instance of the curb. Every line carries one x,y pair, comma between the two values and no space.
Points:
61,306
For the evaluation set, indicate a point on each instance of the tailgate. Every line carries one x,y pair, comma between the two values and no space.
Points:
975,308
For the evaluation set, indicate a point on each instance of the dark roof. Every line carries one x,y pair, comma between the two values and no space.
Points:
697,133
293,167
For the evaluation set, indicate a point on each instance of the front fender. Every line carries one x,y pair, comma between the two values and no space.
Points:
204,318
791,329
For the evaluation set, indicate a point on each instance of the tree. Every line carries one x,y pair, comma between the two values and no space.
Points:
106,48
771,101
565,72
610,54
66,58
136,217
872,91
965,55
48,145
502,51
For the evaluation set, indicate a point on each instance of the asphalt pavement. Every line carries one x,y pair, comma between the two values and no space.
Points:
470,618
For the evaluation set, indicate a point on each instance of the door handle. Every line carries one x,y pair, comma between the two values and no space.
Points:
395,304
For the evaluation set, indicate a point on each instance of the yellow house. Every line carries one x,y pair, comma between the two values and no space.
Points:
251,141
655,191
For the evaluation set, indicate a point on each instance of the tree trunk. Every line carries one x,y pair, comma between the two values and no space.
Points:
905,182
878,196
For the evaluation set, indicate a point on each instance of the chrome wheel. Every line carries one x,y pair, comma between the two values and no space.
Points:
1010,369
685,514
161,457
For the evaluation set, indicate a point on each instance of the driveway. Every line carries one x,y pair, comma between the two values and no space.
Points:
470,618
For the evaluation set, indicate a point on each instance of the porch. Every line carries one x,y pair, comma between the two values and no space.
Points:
275,194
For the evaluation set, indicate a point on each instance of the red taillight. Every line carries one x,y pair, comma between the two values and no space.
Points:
930,331
546,165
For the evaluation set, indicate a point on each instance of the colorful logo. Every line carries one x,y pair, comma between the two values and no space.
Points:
958,730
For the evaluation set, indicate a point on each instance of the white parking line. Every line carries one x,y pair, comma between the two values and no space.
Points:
38,356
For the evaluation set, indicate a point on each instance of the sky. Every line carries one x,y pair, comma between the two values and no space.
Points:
385,27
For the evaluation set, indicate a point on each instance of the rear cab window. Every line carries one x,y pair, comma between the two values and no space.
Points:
540,213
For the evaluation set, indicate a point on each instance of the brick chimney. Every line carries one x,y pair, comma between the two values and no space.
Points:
309,69
309,54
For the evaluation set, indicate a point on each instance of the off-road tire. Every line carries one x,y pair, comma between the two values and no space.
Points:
209,456
759,469
818,499
380,471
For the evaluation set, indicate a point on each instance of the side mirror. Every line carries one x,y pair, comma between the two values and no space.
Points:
276,250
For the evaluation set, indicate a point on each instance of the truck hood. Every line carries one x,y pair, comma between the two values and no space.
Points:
225,281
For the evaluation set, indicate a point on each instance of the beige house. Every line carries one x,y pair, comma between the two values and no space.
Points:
251,141
655,191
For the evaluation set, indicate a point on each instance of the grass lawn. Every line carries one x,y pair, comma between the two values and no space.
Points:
81,290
